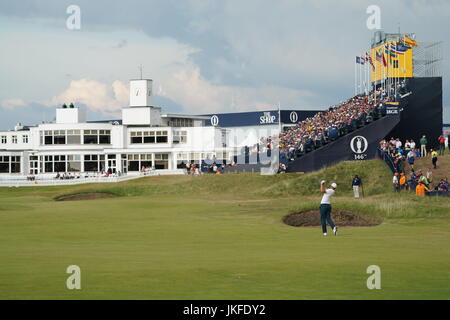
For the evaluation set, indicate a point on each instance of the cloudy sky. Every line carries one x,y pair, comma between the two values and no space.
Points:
203,55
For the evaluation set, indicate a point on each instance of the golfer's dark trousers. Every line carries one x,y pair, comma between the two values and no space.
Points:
325,215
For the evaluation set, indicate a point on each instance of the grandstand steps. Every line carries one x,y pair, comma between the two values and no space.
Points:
340,150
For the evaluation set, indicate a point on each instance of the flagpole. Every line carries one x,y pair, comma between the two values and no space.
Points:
375,78
404,62
365,76
360,76
355,76
369,65
356,89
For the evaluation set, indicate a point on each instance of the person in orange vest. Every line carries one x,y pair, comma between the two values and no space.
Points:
421,189
402,181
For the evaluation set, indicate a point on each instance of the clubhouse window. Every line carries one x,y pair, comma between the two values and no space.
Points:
4,164
64,163
15,164
137,161
25,138
181,122
60,164
149,137
104,136
10,164
73,137
59,137
73,163
90,137
161,161
4,139
179,136
138,137
50,137
94,162
14,139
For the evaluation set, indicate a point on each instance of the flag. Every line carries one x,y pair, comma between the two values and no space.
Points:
400,47
396,49
411,42
384,60
378,56
369,58
360,60
388,51
404,44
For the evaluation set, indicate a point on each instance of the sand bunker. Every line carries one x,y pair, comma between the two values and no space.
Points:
85,196
341,218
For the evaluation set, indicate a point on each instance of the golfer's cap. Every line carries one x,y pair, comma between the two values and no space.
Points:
334,185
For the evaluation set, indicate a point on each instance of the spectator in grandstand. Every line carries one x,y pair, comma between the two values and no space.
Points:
356,185
434,158
395,182
325,207
423,146
441,141
314,132
421,189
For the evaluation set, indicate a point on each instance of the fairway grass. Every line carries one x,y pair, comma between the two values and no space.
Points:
222,237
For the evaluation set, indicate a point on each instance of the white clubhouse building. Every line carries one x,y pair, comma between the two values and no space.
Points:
144,138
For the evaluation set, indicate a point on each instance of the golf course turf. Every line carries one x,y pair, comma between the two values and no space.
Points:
222,237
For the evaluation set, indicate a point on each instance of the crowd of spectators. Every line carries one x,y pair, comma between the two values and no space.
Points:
327,126
402,156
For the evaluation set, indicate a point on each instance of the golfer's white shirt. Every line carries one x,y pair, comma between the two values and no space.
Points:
326,198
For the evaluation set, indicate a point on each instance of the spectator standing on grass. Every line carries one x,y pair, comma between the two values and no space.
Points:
412,144
441,145
402,181
325,207
434,158
429,175
423,146
421,189
395,182
407,146
411,156
356,185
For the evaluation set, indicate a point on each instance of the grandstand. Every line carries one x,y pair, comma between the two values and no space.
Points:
404,101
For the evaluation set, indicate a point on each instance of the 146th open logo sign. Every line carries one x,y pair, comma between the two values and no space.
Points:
359,146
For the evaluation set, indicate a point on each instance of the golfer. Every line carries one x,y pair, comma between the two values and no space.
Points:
325,207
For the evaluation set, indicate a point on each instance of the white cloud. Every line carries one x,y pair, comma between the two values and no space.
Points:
188,88
12,103
96,95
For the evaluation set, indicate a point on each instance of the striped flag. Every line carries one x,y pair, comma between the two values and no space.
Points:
411,42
